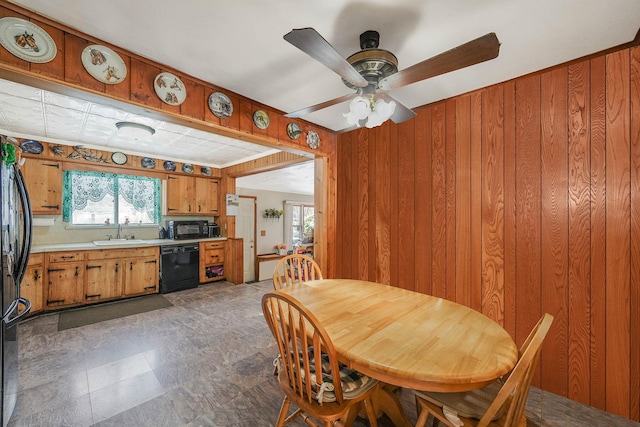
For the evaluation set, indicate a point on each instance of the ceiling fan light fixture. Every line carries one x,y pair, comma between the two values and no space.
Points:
374,112
134,130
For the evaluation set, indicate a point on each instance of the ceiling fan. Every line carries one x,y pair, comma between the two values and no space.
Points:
373,71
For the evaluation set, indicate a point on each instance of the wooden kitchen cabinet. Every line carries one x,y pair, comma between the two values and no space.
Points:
65,279
188,195
125,272
44,184
104,279
206,192
211,261
141,276
180,195
31,286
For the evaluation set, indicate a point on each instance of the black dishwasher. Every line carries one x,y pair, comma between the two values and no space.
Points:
179,267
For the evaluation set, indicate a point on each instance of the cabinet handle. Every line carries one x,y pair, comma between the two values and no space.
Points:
189,208
92,296
52,165
93,266
172,209
149,287
131,266
151,262
51,206
199,208
68,256
77,270
36,275
116,268
51,270
54,301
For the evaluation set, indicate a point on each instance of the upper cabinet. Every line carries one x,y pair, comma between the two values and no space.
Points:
206,196
44,183
188,195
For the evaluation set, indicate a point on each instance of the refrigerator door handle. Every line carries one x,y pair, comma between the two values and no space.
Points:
14,307
26,224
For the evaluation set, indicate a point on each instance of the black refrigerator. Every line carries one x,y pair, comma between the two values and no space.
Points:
15,240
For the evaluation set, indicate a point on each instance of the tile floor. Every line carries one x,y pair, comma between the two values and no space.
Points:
205,361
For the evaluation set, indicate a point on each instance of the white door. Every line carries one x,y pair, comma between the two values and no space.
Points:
246,228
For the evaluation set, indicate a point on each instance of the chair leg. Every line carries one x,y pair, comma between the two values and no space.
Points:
284,408
371,413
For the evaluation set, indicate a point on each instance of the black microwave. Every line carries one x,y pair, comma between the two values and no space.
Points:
180,230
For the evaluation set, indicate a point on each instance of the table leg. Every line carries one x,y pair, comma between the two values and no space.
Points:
390,404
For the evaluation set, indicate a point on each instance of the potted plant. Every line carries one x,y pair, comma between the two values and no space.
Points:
272,213
281,249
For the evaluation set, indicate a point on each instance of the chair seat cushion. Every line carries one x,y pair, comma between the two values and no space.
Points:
353,382
468,404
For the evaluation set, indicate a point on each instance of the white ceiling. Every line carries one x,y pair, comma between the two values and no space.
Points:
238,45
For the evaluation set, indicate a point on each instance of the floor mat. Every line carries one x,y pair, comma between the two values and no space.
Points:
113,310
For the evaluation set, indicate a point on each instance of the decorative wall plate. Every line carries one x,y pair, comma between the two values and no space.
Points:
261,119
168,165
293,130
187,168
119,158
148,162
103,64
32,147
220,105
313,139
170,89
205,170
26,40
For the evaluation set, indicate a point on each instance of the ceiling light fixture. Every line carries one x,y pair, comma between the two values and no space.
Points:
134,130
366,107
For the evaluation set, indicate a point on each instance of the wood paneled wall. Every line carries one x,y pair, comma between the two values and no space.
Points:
516,200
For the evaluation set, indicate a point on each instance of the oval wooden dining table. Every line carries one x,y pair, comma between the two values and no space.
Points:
408,339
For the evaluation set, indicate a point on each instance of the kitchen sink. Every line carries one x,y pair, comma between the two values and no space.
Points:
115,242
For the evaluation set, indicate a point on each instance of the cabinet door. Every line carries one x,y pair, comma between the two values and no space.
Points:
65,285
180,195
141,276
31,287
104,279
206,196
44,183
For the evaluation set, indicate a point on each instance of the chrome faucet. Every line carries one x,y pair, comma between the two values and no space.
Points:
119,229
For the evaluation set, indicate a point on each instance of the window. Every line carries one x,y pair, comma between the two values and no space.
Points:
97,197
299,223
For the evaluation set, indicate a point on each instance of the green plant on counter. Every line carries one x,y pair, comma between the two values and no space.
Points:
273,213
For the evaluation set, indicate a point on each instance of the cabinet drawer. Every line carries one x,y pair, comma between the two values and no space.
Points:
121,253
213,256
211,245
35,259
66,256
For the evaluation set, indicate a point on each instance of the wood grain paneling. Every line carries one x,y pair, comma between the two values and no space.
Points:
492,209
422,187
554,254
579,236
526,199
438,201
634,355
597,230
617,232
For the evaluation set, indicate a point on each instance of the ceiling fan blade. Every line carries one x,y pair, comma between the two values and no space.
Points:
320,106
474,52
401,113
313,44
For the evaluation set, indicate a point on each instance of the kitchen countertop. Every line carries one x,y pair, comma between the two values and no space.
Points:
88,246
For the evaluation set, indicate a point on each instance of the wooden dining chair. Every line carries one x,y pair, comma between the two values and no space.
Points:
294,269
308,368
501,403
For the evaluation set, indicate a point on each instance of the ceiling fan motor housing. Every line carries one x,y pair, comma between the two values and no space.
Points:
373,64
